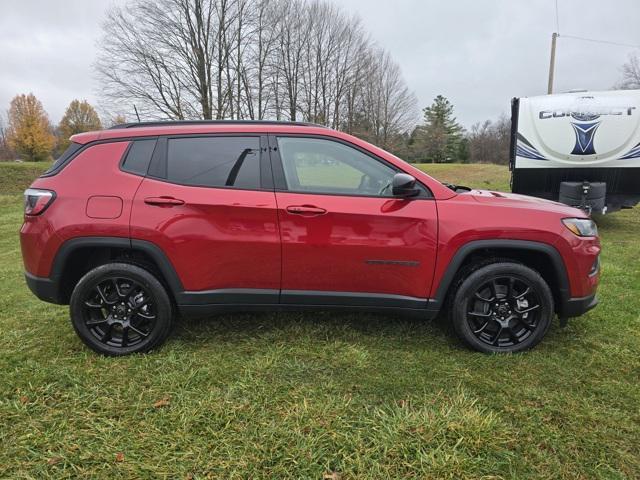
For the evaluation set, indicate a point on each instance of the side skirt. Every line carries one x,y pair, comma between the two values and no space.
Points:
199,311
255,300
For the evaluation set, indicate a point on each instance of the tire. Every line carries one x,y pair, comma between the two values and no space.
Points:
118,309
502,307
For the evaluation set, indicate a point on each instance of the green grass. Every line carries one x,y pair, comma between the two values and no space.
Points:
16,177
476,175
301,395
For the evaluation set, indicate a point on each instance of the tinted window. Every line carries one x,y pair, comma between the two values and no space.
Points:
214,161
324,166
139,156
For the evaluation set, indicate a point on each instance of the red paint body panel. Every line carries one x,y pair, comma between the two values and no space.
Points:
345,248
223,238
94,172
481,215
219,238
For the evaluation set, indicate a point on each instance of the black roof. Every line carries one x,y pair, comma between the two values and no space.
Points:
163,123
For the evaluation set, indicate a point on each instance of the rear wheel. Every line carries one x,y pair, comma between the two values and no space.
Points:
118,308
502,307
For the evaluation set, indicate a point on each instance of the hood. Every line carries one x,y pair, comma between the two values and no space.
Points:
515,200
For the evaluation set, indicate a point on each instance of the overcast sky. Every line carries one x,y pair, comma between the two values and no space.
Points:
479,54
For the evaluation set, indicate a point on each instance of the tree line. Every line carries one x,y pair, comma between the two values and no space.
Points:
29,135
296,60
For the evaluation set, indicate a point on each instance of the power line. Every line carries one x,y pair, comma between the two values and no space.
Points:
601,41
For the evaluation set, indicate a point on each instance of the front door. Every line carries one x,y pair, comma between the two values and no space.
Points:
209,205
345,239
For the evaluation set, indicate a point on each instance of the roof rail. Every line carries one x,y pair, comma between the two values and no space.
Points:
167,123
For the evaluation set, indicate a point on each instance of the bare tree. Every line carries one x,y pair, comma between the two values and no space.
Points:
5,152
489,141
259,66
159,56
283,59
630,73
387,105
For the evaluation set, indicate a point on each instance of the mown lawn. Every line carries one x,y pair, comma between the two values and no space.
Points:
302,395
15,177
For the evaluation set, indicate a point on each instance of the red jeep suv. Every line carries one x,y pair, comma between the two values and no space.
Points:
136,224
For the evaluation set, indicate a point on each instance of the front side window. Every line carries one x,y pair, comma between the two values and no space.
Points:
323,166
214,161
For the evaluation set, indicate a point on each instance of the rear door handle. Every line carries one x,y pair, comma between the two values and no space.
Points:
306,210
163,201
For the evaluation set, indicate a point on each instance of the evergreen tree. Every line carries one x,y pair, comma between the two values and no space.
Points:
440,138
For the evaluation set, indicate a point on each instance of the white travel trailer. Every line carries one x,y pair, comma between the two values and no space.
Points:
579,148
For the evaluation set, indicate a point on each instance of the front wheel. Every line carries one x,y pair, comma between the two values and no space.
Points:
502,307
119,308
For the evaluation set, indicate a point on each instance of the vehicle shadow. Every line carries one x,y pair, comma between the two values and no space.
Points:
327,326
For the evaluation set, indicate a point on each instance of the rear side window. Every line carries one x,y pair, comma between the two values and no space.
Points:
62,159
139,156
214,161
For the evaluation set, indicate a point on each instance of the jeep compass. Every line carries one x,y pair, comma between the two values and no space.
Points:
136,225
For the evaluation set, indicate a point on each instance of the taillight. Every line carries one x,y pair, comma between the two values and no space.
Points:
36,201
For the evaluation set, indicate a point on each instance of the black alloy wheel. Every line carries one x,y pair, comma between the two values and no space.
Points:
504,311
502,307
119,312
120,308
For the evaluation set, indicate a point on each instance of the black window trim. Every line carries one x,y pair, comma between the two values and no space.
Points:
54,169
159,161
86,146
280,181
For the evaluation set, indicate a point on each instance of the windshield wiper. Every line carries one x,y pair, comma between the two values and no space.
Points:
456,188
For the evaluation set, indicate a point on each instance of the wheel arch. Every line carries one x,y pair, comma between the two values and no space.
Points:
79,255
542,257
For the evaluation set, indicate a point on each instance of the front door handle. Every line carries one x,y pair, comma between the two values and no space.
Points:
306,210
163,201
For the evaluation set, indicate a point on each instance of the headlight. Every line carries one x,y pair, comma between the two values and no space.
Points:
583,227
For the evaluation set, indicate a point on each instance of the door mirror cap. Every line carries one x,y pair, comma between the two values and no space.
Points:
404,185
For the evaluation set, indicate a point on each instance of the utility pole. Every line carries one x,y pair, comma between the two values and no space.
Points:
552,63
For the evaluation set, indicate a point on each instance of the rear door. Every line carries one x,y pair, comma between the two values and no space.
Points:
345,238
208,203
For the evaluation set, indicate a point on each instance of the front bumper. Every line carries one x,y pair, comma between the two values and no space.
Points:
574,307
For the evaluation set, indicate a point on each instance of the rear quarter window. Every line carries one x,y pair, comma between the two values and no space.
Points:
63,159
139,156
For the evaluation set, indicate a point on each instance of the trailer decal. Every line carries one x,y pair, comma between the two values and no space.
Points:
633,153
584,137
526,150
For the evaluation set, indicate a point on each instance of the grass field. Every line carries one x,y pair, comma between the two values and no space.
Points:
304,395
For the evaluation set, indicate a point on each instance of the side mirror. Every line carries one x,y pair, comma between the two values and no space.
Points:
404,185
